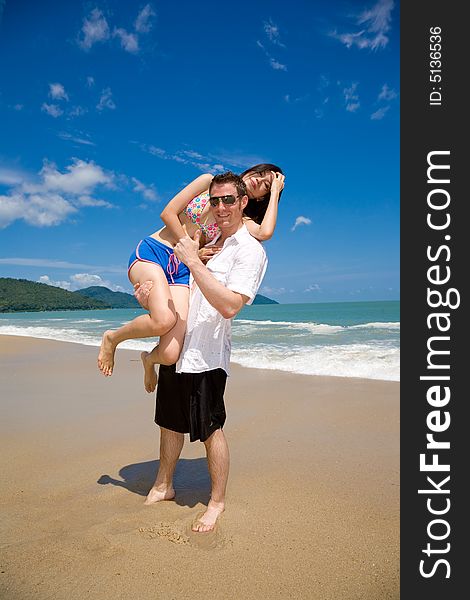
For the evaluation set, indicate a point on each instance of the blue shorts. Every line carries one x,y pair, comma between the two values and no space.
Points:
152,251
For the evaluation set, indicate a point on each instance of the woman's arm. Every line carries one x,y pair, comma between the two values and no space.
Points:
265,230
170,214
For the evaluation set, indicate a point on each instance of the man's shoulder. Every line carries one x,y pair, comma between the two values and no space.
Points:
246,240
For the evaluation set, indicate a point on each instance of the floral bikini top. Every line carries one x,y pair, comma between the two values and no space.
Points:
193,211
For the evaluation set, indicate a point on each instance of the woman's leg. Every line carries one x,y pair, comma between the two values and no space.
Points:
161,317
169,348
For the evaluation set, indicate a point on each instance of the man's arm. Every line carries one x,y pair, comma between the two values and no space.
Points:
225,301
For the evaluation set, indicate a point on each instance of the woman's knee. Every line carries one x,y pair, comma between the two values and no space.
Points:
163,322
170,355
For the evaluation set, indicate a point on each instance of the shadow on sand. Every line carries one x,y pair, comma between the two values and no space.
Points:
191,480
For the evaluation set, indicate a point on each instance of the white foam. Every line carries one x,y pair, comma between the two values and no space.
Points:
315,328
391,325
373,359
370,361
71,335
89,321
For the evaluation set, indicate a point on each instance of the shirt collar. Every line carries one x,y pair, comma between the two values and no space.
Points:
237,236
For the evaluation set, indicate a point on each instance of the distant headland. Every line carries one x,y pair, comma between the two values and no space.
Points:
22,295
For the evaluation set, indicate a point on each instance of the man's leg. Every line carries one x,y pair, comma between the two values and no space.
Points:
218,460
171,444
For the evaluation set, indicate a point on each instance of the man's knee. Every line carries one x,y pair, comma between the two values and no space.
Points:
214,436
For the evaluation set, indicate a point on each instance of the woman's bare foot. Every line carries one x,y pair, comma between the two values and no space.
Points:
150,375
157,495
106,355
209,518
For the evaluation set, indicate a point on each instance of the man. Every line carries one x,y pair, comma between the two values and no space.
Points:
190,393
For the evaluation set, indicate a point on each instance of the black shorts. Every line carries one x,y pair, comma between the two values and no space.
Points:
191,402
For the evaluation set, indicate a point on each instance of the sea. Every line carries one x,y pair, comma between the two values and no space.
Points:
340,339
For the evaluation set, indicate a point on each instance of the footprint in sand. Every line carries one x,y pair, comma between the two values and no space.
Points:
181,533
171,531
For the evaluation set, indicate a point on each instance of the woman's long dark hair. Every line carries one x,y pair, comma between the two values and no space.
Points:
256,208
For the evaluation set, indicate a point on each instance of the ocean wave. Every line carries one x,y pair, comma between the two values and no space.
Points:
314,328
392,325
74,336
89,321
369,361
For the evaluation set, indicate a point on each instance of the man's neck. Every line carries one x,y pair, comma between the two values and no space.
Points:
228,233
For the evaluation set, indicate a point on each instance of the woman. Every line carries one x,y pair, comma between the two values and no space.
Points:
154,267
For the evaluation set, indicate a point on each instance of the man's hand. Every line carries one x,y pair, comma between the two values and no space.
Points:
187,249
142,292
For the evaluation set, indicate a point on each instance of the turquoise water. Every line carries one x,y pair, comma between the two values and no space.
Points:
346,339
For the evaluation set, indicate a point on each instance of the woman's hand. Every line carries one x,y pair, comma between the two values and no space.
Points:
277,184
206,253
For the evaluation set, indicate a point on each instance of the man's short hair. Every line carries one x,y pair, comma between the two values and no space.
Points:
229,177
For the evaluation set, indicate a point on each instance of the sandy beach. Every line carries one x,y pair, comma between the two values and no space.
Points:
313,497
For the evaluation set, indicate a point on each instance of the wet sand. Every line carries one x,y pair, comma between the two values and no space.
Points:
313,498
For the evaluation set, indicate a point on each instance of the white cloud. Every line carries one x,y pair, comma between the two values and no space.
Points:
11,177
323,83
129,41
147,191
378,115
276,65
80,177
86,200
352,106
374,23
80,281
90,81
270,290
143,22
312,288
52,109
205,164
18,107
78,140
57,91
95,29
272,31
300,220
387,93
57,264
351,98
106,100
56,195
83,280
77,111
66,285
39,210
295,100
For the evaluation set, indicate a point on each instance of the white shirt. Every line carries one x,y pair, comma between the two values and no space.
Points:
240,266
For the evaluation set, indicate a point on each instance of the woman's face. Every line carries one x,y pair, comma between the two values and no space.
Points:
258,184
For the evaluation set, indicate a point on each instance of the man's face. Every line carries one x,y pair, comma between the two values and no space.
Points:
226,216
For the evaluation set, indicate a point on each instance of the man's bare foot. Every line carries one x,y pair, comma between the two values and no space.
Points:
209,518
150,375
106,355
157,495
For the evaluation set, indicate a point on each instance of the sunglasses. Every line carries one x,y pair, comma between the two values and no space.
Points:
226,200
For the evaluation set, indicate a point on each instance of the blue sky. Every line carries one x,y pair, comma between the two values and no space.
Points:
108,108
